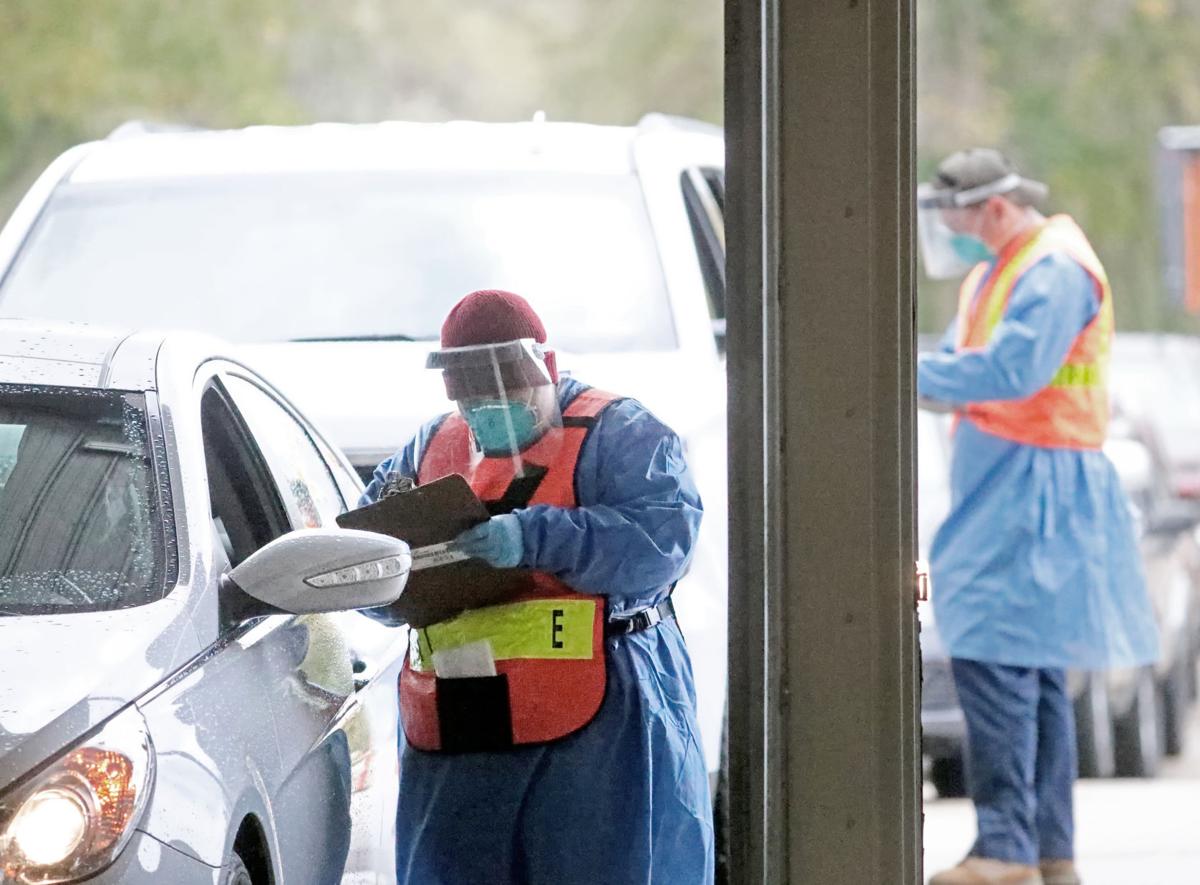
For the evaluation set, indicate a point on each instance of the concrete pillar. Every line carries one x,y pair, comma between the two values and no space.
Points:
825,747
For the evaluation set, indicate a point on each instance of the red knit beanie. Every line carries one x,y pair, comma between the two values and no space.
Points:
492,316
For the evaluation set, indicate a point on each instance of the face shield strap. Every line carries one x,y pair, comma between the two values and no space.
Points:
944,198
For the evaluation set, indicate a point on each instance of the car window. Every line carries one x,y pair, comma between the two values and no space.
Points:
81,525
344,255
247,510
349,483
308,490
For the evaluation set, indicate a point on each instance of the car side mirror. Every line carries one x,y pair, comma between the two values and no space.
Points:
318,570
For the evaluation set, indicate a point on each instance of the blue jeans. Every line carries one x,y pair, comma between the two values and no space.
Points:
1020,757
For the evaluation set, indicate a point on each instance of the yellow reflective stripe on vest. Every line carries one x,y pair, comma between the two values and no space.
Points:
555,629
1078,375
1004,283
967,294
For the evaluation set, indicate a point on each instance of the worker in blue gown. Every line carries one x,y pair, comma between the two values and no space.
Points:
624,798
1036,569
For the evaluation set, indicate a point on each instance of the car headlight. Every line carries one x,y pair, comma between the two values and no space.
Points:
76,815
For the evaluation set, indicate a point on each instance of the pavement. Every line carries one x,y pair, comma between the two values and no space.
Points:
1127,831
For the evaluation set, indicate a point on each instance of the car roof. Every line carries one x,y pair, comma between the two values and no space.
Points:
36,352
373,147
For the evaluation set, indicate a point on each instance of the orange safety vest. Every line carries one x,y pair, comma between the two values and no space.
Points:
547,643
1072,411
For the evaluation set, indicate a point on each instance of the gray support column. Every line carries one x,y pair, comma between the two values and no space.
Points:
742,796
839,399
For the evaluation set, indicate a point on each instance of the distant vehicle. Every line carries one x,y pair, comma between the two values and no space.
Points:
1156,397
183,699
1127,719
943,727
1156,387
332,253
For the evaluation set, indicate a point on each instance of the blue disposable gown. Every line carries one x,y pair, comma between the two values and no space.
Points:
1037,564
626,799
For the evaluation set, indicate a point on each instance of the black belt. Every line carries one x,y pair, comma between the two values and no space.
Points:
643,620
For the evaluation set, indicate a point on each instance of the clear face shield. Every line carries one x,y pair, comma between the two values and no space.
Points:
504,392
949,226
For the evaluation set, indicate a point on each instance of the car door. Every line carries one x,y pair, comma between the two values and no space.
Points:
336,704
218,761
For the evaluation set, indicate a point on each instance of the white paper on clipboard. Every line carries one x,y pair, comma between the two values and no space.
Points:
433,555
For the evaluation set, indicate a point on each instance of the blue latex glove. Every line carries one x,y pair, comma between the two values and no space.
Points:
500,542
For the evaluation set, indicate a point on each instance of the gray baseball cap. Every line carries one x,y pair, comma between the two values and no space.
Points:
969,177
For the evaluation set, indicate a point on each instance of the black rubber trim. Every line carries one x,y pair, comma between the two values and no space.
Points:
585,421
520,491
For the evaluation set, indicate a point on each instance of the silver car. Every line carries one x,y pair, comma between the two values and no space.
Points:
184,695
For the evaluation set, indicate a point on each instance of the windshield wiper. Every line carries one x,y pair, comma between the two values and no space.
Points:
384,336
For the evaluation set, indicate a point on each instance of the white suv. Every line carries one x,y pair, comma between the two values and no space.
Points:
332,252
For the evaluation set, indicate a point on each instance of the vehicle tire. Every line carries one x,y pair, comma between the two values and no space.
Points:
949,777
1137,732
235,871
1094,729
1175,705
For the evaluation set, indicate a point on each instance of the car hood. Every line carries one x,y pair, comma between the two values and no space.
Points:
65,674
370,397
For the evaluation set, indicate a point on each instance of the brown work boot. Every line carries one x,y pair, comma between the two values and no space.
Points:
1060,872
986,871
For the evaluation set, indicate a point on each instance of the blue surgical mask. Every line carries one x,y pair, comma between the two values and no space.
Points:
502,427
970,249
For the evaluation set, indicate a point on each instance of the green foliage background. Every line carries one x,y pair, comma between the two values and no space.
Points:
1076,90
72,70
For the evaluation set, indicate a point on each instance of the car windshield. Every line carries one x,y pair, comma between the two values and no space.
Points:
341,255
79,524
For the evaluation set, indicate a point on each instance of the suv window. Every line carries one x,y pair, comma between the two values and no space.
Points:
704,195
349,255
310,493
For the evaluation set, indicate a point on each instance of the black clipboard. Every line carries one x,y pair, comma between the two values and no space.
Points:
434,514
